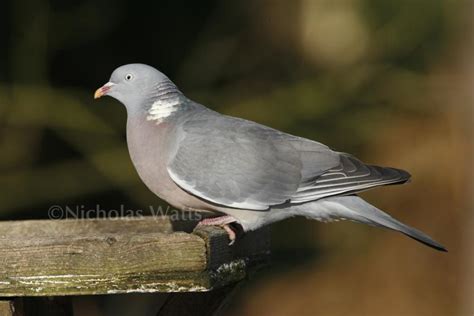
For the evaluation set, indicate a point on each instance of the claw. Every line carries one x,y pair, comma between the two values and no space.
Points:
231,233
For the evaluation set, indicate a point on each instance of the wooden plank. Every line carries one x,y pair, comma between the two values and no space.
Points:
253,246
144,255
90,227
7,308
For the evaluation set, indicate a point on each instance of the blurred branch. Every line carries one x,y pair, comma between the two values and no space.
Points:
70,120
58,182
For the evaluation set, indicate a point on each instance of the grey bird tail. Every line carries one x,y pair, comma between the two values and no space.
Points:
385,220
356,209
390,222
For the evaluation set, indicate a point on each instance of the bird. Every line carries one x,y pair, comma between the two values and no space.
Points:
243,172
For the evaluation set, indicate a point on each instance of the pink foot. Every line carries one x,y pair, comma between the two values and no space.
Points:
221,221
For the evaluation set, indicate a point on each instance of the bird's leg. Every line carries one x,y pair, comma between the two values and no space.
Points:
221,221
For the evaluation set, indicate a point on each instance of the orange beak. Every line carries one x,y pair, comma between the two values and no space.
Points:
103,90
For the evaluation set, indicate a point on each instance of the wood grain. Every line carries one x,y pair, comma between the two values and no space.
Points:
146,254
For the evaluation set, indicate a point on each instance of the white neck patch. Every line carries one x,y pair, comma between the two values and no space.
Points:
161,109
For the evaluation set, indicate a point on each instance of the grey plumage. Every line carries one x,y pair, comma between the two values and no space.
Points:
198,159
349,176
242,164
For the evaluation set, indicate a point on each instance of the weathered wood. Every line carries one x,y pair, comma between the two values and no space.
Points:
7,308
144,255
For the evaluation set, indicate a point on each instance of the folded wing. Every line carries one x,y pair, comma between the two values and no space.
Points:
242,164
350,176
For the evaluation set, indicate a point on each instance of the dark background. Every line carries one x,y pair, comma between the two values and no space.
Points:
389,81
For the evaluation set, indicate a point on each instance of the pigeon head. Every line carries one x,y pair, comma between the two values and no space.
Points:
134,85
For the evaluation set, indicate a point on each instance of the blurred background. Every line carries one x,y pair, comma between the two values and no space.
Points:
389,81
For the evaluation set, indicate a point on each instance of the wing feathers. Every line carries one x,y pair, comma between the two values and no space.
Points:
241,164
349,177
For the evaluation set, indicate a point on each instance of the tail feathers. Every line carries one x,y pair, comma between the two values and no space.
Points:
390,222
356,209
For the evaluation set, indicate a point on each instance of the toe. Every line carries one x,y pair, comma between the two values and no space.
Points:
231,233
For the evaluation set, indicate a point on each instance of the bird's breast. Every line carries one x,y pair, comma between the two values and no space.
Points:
149,145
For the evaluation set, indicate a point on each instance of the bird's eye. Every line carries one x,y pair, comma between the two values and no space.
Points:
128,77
